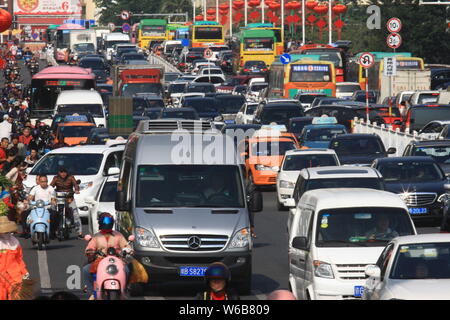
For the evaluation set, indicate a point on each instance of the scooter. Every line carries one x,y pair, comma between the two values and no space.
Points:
110,281
39,222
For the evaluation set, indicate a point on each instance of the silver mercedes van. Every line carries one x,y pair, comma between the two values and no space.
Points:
181,192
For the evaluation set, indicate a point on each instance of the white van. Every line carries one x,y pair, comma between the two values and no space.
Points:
335,234
114,38
81,101
169,45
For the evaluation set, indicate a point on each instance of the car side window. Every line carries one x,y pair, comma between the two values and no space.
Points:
299,188
383,260
113,161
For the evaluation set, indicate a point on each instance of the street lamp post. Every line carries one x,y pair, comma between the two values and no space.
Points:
303,23
330,23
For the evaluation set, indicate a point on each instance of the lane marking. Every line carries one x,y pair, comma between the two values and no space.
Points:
44,274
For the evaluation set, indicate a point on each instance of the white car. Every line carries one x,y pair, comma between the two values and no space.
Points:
433,129
411,268
246,114
205,71
216,79
89,163
197,66
254,90
103,201
296,160
345,90
254,80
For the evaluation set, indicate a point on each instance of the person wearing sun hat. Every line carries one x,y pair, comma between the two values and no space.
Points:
12,267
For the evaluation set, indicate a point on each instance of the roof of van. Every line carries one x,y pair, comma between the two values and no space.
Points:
89,96
164,149
351,197
116,35
335,172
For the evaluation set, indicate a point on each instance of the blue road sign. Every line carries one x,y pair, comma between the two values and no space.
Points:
35,36
285,58
126,27
185,42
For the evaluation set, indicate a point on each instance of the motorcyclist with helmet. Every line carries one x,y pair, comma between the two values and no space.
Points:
217,279
101,241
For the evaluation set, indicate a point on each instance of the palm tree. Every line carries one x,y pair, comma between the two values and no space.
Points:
176,6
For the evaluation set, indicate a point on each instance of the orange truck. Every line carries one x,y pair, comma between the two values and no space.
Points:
129,80
74,133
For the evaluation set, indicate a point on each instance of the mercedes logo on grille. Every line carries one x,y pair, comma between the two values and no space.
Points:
194,242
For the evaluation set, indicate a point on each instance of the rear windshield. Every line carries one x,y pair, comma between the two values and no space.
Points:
439,153
201,89
322,134
201,105
425,98
280,115
272,148
410,172
230,104
423,115
347,88
297,162
96,110
369,183
360,146
307,98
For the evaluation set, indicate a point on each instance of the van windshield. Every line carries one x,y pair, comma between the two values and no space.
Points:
364,226
192,186
96,110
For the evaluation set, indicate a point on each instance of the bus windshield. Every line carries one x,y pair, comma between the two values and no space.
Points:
310,73
258,44
149,31
46,91
331,56
62,39
130,89
205,33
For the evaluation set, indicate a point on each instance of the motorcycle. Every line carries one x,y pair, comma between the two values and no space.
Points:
39,222
110,280
66,223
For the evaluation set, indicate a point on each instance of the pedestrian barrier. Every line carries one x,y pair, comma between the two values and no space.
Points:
154,59
391,138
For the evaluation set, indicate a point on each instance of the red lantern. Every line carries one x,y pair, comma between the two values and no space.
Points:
311,4
339,9
211,11
295,5
238,4
199,17
268,2
321,9
287,6
223,6
5,20
274,6
223,12
254,3
211,18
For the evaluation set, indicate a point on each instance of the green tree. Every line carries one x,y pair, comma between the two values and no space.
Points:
110,10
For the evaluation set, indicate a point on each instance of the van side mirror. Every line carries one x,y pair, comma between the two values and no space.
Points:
121,203
373,271
113,171
300,243
392,151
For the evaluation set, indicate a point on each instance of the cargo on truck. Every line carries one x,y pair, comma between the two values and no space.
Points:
83,42
129,80
404,80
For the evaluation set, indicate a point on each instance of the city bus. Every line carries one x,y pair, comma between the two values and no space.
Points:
62,40
302,75
172,30
206,33
151,30
48,83
257,44
328,53
182,33
279,39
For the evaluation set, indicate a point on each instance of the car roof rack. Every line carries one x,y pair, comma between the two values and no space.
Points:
165,126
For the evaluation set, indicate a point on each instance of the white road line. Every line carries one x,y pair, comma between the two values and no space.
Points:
44,275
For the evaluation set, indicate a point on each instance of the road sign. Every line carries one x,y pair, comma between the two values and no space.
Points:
35,35
394,25
285,58
126,27
390,66
366,60
111,26
125,15
185,42
208,54
394,40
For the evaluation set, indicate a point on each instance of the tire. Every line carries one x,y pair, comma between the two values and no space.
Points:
111,295
280,206
66,234
40,241
59,234
136,289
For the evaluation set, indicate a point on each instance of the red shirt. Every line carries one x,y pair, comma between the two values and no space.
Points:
25,140
2,154
218,296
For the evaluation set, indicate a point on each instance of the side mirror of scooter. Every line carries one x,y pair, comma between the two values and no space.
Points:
88,237
131,238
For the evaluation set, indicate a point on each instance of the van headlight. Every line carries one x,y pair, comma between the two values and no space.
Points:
323,270
86,185
287,184
241,239
146,238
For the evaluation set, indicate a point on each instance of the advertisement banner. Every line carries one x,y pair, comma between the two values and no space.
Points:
47,7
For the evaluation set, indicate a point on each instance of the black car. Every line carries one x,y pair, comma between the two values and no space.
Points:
440,78
343,114
229,103
61,117
200,87
205,107
179,113
121,51
254,67
361,148
152,100
297,124
278,113
98,66
420,183
226,62
360,96
131,56
106,91
152,113
82,49
439,150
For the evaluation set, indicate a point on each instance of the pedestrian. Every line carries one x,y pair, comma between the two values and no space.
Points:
26,137
13,270
217,280
8,164
6,127
4,144
32,158
19,146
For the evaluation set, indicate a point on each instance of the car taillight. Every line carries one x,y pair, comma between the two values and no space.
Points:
433,105
265,69
339,72
246,70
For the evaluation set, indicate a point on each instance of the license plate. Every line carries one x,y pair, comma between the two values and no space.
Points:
415,211
359,291
192,271
255,70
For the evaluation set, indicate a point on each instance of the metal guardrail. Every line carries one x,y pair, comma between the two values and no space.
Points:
390,138
154,59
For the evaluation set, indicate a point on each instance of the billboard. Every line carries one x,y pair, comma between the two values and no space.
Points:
47,7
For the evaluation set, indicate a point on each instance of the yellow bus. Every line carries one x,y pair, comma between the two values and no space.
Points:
279,39
152,30
206,33
257,45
